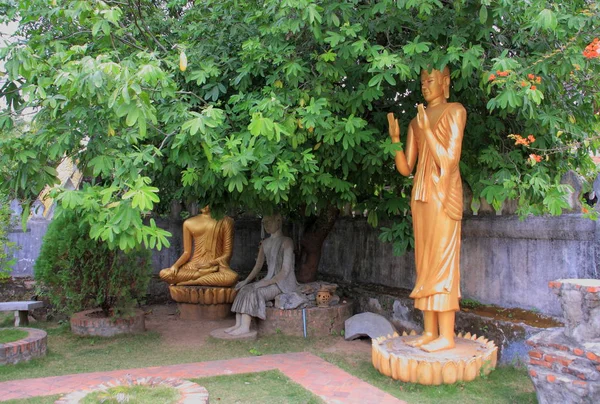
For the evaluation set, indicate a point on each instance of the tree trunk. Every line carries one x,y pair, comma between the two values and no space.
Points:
311,245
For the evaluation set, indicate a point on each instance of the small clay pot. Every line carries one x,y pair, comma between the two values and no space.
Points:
323,297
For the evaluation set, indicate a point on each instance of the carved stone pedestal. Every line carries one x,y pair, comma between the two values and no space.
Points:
203,302
471,357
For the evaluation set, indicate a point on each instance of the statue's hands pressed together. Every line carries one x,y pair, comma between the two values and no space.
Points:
422,118
394,128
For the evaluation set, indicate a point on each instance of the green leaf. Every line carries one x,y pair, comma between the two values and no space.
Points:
312,13
25,217
416,47
261,125
483,14
376,80
334,38
142,126
372,218
132,116
195,125
547,20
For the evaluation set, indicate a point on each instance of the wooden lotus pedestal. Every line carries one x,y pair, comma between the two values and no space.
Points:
471,356
203,302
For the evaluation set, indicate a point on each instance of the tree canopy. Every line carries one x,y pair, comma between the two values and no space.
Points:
283,103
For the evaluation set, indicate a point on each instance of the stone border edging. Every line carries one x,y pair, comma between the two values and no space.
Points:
83,325
34,345
191,393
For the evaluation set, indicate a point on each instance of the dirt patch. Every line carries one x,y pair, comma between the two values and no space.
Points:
164,319
354,347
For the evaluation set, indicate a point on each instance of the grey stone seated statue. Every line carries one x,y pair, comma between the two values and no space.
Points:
251,299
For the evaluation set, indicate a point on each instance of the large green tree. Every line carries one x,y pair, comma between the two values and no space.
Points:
281,104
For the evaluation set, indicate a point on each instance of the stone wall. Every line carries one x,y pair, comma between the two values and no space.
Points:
509,334
504,261
564,363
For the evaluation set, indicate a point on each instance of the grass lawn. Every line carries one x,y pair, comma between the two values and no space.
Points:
68,353
270,387
35,400
11,335
134,395
504,385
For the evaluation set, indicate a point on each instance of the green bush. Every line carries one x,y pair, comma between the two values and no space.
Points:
6,247
78,273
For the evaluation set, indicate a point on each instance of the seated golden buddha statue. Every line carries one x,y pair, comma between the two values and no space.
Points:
212,245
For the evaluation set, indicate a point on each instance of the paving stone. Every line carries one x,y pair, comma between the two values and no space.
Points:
301,367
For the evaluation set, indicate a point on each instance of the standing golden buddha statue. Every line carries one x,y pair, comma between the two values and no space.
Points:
212,242
435,140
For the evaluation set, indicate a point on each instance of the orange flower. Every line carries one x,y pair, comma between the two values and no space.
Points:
523,83
592,51
585,210
520,140
498,72
533,88
530,76
538,79
503,74
531,138
535,157
492,77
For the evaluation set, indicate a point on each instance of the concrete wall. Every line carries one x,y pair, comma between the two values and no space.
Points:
504,261
30,243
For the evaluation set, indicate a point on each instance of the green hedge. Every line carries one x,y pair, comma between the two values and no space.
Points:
78,273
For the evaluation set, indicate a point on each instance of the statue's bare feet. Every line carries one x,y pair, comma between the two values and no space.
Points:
229,329
439,344
239,331
423,339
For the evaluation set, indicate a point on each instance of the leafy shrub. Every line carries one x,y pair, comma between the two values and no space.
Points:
77,273
6,247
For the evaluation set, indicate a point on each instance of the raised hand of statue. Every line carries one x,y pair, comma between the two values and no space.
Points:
394,128
422,118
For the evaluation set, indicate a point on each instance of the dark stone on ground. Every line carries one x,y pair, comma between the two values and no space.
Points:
367,324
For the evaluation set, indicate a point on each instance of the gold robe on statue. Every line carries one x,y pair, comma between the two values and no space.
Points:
213,246
437,206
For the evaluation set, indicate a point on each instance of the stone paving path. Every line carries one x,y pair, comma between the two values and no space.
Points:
323,379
